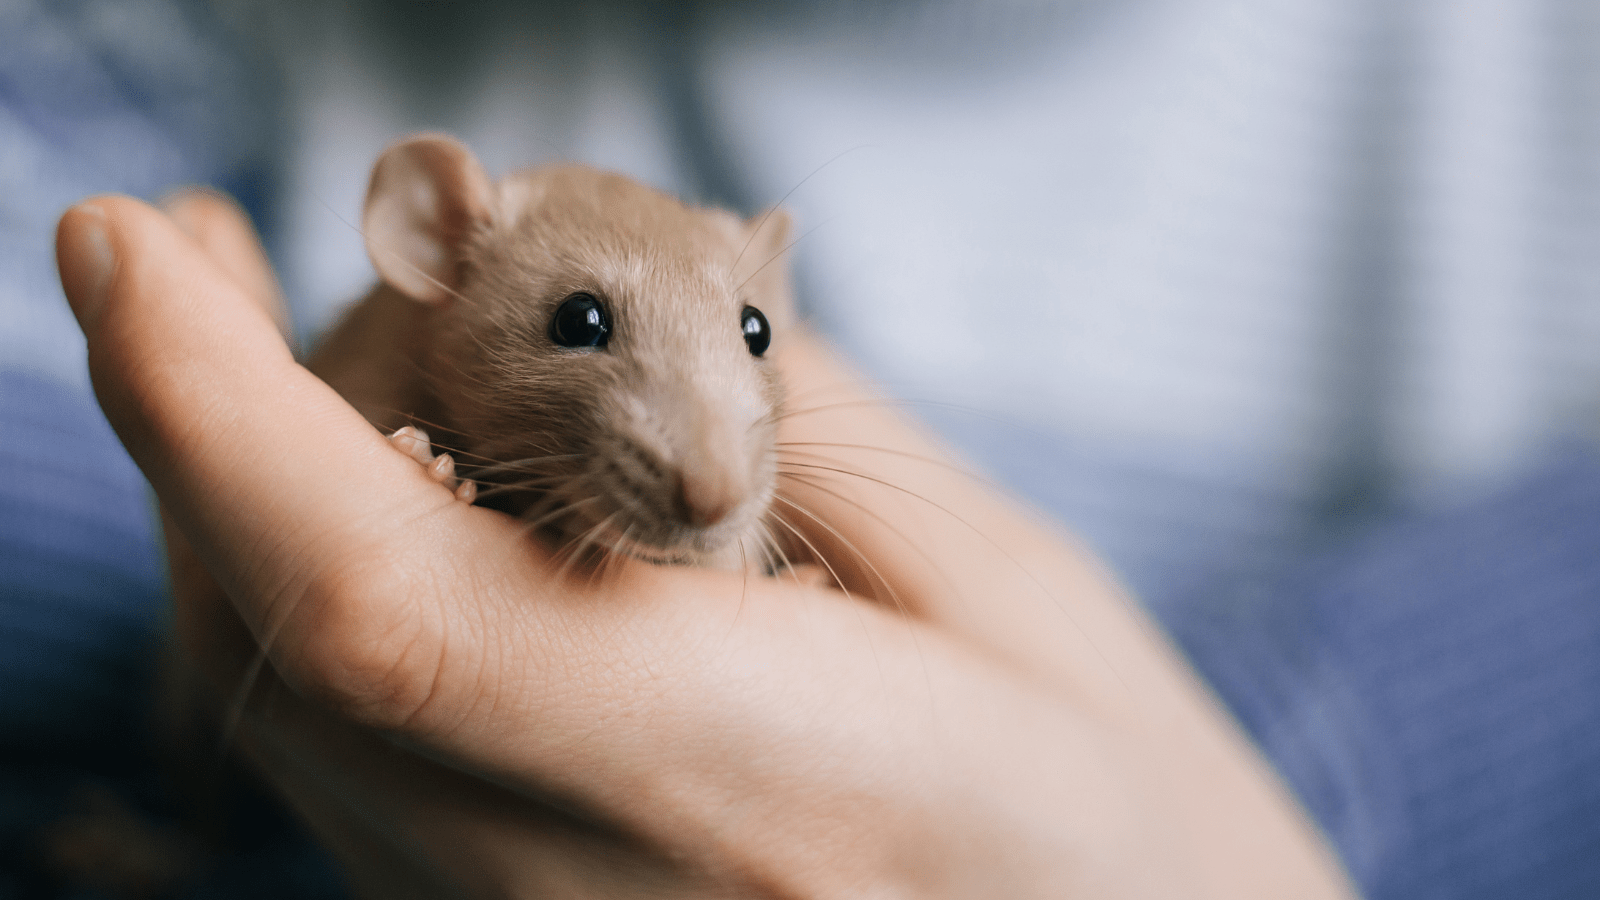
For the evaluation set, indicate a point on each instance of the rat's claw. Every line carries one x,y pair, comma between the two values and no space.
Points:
413,442
443,470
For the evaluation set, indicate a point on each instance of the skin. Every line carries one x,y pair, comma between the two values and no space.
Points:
454,715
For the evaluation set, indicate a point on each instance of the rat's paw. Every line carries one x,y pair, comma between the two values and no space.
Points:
414,442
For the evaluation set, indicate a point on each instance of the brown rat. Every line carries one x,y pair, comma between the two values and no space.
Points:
590,351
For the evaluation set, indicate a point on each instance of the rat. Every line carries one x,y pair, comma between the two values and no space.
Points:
575,348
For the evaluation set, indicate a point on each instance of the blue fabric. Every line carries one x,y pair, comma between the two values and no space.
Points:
98,96
82,614
81,589
1432,691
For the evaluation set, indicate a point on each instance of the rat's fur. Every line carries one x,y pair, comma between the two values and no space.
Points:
625,447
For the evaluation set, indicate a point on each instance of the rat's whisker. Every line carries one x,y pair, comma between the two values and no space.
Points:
617,550
823,561
814,482
776,206
529,464
899,604
1028,573
847,544
579,546
776,550
565,509
392,254
779,255
783,447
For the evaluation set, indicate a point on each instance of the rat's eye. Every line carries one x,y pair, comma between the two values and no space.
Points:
580,321
757,333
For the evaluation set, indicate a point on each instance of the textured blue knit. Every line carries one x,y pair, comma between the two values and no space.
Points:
1432,691
94,97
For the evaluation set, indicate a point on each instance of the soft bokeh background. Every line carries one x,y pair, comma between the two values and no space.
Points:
1291,308
1236,266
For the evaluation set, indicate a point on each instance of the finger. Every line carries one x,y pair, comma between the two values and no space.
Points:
907,522
279,485
221,228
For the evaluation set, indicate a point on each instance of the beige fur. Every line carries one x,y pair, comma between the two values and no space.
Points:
635,445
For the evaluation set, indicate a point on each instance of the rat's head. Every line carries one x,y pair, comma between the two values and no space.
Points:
599,349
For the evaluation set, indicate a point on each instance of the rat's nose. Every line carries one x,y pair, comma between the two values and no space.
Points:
706,497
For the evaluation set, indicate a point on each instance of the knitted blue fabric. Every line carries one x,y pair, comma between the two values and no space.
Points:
1432,691
81,587
101,97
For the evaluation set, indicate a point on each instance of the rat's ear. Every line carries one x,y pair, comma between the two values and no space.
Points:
427,194
766,239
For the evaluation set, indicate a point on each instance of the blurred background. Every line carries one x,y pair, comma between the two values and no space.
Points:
1289,308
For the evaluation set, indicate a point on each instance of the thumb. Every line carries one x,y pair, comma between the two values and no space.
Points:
281,487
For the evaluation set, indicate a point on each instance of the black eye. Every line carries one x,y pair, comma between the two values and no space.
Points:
757,333
580,321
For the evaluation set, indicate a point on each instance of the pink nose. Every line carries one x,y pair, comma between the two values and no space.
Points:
707,498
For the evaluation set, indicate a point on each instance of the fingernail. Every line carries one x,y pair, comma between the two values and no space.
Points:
87,261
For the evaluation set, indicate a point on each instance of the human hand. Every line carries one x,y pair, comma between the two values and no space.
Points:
982,715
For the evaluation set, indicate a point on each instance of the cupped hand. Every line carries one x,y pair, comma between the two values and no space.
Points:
978,714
